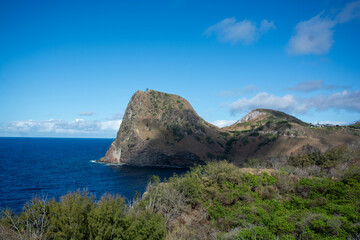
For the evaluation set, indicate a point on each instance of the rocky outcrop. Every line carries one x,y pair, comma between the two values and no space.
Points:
160,129
255,114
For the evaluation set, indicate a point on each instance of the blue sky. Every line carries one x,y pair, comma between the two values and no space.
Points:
69,68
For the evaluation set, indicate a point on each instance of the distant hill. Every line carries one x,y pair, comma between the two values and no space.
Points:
161,129
259,117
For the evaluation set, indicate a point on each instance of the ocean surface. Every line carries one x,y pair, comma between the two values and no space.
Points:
51,167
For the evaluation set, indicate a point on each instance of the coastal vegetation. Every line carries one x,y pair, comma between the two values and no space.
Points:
213,201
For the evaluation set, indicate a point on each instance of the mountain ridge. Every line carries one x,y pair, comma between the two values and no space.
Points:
161,129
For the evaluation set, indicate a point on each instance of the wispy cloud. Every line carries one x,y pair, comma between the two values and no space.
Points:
239,91
86,113
264,100
53,127
314,85
245,31
223,123
315,36
117,116
345,100
332,123
351,11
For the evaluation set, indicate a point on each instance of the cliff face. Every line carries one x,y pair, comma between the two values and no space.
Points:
160,129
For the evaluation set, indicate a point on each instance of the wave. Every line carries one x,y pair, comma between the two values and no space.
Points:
108,164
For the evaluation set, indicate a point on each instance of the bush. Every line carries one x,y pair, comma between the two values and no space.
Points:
77,216
68,218
256,233
143,226
106,220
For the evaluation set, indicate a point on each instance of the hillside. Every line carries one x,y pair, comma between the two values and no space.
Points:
161,129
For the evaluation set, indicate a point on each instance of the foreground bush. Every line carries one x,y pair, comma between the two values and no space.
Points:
77,216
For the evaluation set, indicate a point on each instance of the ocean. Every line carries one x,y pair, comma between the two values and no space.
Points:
52,167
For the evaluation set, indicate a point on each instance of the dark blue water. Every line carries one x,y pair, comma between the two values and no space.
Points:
54,166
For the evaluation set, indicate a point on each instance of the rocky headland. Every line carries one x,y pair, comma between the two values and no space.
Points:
161,129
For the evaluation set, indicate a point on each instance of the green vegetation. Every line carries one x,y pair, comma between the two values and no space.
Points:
78,216
225,134
229,143
217,200
235,133
245,140
200,128
354,129
281,126
338,155
355,132
209,140
177,133
254,134
197,138
243,124
260,128
268,139
355,126
241,205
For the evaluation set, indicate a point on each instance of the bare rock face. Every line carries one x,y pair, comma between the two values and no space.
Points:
251,116
160,129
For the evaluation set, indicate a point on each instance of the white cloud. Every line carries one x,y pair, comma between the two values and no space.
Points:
223,123
52,127
118,116
110,125
350,12
313,85
265,26
345,100
86,113
332,123
265,100
315,36
245,32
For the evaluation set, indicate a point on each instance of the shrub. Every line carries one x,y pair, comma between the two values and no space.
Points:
68,218
209,140
255,233
177,133
143,226
106,219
